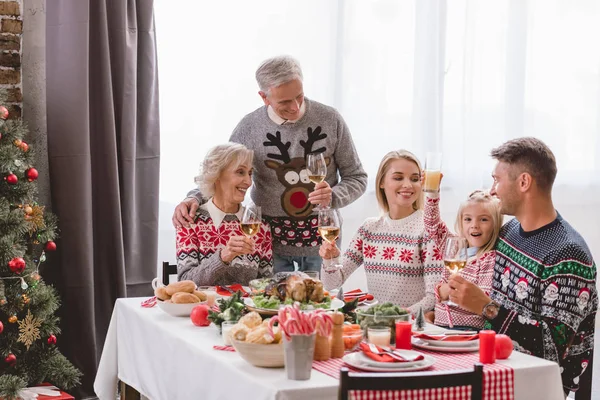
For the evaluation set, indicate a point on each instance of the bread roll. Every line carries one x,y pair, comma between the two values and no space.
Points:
184,298
182,286
161,293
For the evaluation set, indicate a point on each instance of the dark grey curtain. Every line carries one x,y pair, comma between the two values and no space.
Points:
103,150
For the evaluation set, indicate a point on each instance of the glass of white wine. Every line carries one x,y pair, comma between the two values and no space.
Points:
455,256
317,170
329,229
250,223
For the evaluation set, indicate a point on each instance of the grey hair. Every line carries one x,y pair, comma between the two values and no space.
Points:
217,160
276,71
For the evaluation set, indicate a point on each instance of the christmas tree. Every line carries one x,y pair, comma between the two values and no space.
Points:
28,326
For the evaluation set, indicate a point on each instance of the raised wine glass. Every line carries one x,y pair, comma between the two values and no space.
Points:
250,223
455,256
317,170
329,229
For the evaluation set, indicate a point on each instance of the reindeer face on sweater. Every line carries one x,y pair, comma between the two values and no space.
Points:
292,172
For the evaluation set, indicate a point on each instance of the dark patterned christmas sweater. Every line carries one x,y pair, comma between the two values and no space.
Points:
545,282
199,252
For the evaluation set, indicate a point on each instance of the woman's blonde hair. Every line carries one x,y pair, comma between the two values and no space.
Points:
384,166
492,205
218,159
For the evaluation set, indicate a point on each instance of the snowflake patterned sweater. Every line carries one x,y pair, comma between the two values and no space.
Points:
401,261
199,252
545,282
479,269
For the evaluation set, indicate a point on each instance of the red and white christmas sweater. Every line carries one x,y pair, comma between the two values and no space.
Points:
479,270
401,261
199,250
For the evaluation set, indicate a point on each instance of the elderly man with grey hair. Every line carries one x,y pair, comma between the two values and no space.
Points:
281,134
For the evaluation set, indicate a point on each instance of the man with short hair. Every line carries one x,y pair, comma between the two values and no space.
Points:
282,134
544,290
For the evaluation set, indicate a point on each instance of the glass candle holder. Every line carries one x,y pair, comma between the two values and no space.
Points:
225,328
380,336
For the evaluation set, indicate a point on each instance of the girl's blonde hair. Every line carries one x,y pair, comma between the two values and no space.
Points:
492,205
384,166
218,159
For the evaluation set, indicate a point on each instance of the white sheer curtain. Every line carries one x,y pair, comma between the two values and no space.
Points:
457,76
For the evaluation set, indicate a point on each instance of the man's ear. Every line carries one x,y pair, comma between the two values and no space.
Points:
263,96
525,181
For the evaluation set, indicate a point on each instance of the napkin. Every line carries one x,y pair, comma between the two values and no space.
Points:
446,338
353,294
235,287
384,357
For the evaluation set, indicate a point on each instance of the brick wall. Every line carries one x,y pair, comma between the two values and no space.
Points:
11,28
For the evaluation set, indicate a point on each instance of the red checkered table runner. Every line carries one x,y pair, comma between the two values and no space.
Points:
498,379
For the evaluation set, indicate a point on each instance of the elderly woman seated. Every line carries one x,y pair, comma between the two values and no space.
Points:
213,250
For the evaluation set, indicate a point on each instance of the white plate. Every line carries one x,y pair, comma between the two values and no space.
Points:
431,329
355,360
396,365
418,343
335,305
214,289
448,343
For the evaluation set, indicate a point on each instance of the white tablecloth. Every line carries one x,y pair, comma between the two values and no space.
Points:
165,357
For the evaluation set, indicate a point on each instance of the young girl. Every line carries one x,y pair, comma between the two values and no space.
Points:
479,221
399,257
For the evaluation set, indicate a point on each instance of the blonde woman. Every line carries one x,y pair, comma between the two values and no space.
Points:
401,262
213,250
478,221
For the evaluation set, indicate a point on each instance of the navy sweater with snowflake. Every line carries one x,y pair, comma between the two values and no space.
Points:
545,282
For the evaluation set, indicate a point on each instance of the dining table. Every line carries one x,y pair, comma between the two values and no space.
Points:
166,357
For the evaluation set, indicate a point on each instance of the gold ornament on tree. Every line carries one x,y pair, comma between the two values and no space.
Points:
35,219
12,319
29,330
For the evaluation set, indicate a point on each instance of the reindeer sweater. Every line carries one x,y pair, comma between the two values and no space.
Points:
401,261
281,184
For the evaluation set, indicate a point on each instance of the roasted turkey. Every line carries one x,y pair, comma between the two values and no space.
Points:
297,286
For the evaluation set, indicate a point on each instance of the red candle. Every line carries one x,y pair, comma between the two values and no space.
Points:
487,347
403,335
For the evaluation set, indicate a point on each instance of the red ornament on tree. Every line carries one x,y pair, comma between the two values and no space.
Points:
24,146
51,339
1,327
16,265
3,112
11,179
31,174
50,246
11,359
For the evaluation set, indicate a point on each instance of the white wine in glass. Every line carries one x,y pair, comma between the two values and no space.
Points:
250,224
455,256
251,220
329,229
317,169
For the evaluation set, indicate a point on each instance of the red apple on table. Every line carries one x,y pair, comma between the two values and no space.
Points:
504,347
199,315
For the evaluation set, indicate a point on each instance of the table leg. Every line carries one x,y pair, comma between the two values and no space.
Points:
128,393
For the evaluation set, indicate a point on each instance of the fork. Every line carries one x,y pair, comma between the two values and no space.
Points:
374,350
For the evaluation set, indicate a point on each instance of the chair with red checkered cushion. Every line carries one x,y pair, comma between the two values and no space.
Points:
368,384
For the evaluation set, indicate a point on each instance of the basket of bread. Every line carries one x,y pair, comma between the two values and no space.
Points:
179,298
251,339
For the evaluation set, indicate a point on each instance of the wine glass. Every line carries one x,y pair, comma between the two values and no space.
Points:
250,223
329,229
317,170
455,256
